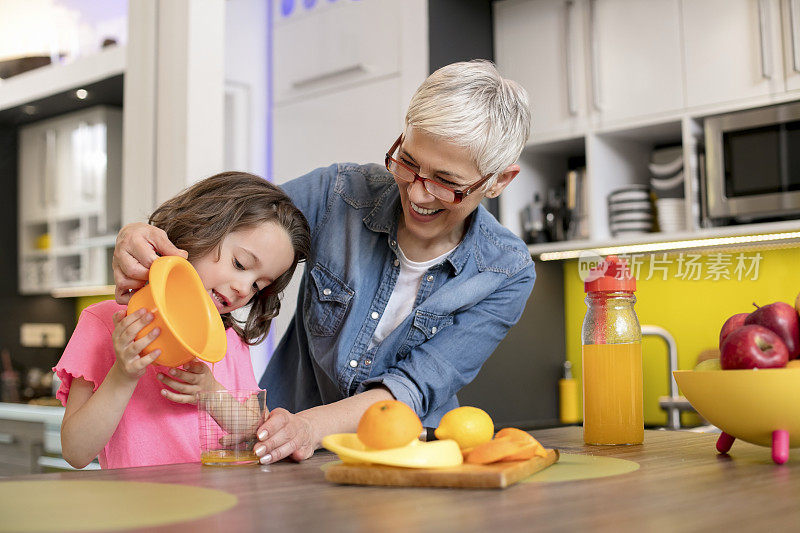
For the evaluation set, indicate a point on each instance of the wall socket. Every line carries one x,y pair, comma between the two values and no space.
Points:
42,335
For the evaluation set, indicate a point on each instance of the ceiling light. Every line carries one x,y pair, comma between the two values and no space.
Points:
81,94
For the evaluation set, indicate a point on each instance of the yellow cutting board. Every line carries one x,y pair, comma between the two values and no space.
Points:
466,476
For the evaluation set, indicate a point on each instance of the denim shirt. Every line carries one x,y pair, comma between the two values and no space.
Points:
463,309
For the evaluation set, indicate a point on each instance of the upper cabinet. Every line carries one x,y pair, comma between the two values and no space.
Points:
635,57
790,24
605,59
541,44
733,49
596,64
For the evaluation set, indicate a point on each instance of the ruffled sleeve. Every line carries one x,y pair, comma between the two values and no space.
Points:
90,351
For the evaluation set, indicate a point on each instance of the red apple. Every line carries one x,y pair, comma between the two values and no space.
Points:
753,346
733,323
780,318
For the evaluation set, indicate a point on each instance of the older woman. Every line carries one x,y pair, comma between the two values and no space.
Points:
411,283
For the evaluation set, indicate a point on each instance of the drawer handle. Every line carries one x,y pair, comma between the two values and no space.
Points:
317,78
7,438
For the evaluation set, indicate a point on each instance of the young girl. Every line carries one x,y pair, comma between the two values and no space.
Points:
244,237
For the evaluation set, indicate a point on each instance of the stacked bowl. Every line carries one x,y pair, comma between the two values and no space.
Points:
630,211
667,179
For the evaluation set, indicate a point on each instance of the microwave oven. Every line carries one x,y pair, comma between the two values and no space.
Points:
753,163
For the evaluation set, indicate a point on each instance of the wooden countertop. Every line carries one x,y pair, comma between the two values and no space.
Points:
682,484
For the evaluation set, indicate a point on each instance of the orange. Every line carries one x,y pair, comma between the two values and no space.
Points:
492,451
388,424
517,435
529,447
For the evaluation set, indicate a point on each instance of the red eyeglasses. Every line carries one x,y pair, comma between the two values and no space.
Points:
440,191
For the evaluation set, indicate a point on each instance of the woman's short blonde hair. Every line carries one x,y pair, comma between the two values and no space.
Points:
471,105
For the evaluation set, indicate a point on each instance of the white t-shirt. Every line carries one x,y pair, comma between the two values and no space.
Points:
401,301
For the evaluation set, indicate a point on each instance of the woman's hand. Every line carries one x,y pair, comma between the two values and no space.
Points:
129,364
193,378
138,245
284,434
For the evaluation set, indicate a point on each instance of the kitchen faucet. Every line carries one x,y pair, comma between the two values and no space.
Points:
672,404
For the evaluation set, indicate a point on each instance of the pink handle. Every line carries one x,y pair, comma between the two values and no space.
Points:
724,442
780,446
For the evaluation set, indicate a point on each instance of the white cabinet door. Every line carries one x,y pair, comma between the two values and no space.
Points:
354,125
732,50
635,50
36,160
334,46
790,11
540,44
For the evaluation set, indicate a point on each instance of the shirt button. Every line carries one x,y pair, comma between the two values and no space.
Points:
429,278
396,262
433,330
326,292
353,363
374,315
392,243
368,362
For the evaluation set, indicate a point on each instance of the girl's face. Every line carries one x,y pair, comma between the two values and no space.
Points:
249,260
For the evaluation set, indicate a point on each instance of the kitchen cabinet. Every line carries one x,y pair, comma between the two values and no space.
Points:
343,75
733,50
610,81
334,46
636,67
541,45
790,19
69,198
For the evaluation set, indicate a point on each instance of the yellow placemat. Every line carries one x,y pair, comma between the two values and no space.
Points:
104,505
572,467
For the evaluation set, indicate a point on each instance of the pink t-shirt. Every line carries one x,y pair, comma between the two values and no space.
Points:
152,430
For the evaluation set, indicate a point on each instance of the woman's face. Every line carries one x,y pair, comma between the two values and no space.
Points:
428,220
249,260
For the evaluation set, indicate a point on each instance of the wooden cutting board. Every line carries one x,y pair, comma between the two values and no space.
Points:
492,476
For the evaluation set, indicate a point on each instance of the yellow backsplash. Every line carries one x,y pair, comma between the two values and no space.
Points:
692,310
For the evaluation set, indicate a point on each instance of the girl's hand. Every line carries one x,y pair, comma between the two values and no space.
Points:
129,364
193,378
284,434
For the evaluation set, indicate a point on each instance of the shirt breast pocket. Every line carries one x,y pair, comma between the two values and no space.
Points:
424,327
327,304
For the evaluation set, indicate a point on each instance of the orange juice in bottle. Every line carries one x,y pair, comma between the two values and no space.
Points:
612,357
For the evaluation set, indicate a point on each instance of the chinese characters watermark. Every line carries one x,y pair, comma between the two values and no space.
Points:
715,266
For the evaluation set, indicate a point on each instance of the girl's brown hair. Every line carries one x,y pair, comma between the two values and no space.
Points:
199,218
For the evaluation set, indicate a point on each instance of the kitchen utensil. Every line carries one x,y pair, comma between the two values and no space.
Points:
190,323
496,475
758,406
417,454
228,421
9,379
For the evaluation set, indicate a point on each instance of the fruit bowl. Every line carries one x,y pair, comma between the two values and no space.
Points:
757,406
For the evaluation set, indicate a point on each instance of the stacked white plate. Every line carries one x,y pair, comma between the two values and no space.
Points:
671,214
630,210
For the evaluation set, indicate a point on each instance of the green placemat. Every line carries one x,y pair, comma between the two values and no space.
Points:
104,505
572,467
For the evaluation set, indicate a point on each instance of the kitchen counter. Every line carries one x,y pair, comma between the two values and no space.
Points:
682,484
31,413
